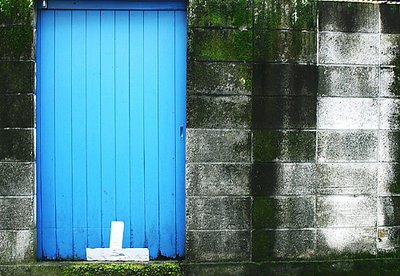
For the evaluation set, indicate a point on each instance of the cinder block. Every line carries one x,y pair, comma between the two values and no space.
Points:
284,113
348,17
283,245
217,179
360,81
218,213
17,179
16,12
17,76
348,113
285,14
390,113
16,43
284,146
17,111
390,18
390,85
202,13
388,241
217,78
346,242
347,179
17,246
16,213
219,112
389,146
217,145
348,48
220,45
346,211
283,46
347,146
389,211
389,178
209,246
283,212
16,145
285,80
390,49
269,179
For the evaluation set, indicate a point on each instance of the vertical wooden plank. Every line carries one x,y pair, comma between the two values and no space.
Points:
136,63
63,133
79,132
151,130
93,129
107,123
122,196
180,98
47,182
167,134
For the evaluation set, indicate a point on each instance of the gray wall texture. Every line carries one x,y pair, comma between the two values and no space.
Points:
293,130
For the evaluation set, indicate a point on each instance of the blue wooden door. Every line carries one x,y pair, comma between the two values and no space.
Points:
111,82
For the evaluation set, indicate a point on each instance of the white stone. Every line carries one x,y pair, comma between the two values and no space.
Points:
122,254
117,234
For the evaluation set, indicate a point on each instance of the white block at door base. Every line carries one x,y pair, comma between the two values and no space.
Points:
117,254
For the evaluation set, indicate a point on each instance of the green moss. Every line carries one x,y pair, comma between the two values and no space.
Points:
263,245
231,13
123,269
16,42
16,12
266,145
264,212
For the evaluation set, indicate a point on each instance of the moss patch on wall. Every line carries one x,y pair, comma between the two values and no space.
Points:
16,42
16,12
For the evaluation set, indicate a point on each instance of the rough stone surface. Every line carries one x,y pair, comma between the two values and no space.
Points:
389,211
16,43
390,113
17,246
389,178
388,240
217,179
389,146
16,213
217,245
390,47
348,113
17,179
359,81
16,77
16,145
390,20
387,83
218,213
342,146
17,111
348,48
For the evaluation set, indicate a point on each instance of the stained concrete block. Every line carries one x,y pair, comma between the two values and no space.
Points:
216,78
16,43
390,49
191,269
390,114
284,113
206,246
220,45
17,179
388,240
348,17
284,146
270,245
390,18
389,146
217,179
217,145
218,112
346,211
202,13
285,80
335,146
389,211
347,179
346,242
348,48
283,46
16,76
283,179
17,246
359,81
389,85
16,111
283,212
16,145
348,113
389,178
218,213
16,213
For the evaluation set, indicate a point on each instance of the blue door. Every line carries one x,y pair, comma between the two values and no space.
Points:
111,82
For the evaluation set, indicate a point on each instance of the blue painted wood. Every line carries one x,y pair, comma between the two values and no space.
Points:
111,102
117,5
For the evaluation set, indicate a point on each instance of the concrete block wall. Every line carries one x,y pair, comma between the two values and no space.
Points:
17,134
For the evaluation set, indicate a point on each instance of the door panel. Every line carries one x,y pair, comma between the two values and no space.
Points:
111,124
